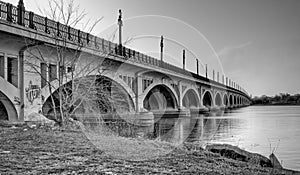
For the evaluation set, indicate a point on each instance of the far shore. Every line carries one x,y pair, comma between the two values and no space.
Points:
283,104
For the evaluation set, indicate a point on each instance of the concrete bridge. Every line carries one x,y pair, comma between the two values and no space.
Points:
147,84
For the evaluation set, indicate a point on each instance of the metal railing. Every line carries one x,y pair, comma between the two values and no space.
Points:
19,15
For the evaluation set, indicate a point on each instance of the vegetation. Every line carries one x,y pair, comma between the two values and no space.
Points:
27,150
280,99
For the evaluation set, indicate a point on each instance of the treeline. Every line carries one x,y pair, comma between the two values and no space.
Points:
280,99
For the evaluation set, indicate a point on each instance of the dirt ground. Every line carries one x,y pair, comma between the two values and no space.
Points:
25,150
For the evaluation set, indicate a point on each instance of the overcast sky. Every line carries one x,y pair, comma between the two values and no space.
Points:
257,41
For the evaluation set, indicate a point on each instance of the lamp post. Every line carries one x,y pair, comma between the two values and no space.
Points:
183,59
161,49
206,70
21,12
197,66
120,23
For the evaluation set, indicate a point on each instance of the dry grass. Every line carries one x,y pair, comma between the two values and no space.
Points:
136,149
43,151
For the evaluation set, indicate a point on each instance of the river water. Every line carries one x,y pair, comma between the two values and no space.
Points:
260,129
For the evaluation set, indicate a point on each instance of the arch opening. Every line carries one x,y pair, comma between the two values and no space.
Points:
160,97
3,112
218,100
7,109
234,100
190,99
89,95
230,100
207,99
225,100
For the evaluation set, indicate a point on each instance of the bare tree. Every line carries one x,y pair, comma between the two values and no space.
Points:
82,86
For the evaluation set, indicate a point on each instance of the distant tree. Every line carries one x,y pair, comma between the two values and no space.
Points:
277,98
281,98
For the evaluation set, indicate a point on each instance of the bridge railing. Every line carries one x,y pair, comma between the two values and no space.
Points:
28,19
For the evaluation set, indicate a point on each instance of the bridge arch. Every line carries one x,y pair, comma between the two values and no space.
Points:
55,85
218,99
7,108
7,94
190,98
159,97
225,100
231,100
207,99
117,98
234,100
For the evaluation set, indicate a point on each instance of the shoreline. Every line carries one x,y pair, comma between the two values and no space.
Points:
41,151
275,105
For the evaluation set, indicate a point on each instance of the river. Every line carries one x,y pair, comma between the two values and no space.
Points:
260,129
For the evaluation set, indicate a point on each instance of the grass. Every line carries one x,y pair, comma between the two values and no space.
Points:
44,151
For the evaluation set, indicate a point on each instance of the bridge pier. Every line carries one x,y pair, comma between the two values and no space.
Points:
138,97
214,108
21,84
199,110
222,107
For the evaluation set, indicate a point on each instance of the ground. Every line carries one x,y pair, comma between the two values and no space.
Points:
26,150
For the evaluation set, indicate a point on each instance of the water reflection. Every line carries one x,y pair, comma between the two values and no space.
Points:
252,128
200,128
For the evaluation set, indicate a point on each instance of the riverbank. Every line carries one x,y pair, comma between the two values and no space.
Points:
25,150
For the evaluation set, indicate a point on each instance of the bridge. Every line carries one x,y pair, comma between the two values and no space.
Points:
147,84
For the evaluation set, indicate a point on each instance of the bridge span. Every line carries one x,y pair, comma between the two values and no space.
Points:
142,82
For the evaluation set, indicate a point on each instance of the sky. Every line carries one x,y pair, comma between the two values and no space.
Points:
256,43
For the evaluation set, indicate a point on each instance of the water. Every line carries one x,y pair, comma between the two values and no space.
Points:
260,129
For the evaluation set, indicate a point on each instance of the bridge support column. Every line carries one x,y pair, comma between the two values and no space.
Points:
200,97
214,106
138,97
21,85
5,66
180,106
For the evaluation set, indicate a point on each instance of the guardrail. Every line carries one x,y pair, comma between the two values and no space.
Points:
29,19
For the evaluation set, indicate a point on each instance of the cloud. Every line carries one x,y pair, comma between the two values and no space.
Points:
233,51
233,58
